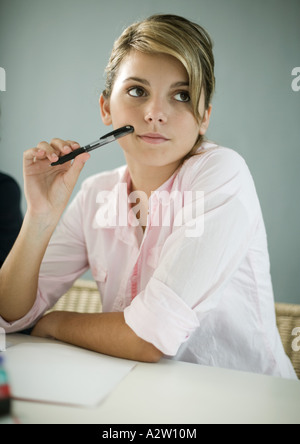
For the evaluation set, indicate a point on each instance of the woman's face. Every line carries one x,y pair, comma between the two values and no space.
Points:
151,93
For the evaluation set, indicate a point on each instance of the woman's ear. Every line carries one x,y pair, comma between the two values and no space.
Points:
205,121
105,110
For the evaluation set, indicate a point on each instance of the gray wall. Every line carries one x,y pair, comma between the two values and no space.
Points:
54,53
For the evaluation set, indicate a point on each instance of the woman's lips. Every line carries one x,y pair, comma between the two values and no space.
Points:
154,138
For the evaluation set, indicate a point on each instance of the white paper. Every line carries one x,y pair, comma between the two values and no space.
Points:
62,373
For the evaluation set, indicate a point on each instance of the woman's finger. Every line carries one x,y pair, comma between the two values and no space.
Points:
33,154
63,146
52,151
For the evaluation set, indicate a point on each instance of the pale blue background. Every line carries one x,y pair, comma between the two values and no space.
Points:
54,53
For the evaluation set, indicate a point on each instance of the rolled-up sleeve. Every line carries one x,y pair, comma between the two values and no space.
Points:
159,316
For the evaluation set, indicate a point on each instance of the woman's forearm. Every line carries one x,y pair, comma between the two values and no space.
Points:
47,192
105,333
19,273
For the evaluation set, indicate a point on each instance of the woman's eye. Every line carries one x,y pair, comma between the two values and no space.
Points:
136,92
182,96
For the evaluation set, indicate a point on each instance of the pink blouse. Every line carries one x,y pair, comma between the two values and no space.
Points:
196,284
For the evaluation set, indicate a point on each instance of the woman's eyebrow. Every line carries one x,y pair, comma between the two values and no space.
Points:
137,79
179,84
147,83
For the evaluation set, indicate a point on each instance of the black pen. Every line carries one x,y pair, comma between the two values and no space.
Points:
104,140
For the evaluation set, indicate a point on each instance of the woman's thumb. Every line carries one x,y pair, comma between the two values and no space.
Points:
74,171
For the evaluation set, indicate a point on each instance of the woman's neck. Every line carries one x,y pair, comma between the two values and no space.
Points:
144,181
147,179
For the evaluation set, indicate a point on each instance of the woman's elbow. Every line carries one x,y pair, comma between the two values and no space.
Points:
150,354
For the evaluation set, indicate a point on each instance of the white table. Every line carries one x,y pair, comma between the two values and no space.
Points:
172,392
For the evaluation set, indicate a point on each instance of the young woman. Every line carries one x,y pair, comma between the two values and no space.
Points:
175,239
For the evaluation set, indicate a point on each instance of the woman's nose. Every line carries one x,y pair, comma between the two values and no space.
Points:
155,113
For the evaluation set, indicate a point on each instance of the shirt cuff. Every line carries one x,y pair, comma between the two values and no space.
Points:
159,316
28,321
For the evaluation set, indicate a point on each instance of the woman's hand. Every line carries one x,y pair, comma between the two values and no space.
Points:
48,188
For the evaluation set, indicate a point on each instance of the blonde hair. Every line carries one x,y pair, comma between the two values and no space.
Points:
188,42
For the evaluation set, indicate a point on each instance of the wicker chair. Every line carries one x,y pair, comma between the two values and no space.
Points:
288,318
84,297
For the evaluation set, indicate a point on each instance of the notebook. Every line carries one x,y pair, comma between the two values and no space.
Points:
63,374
